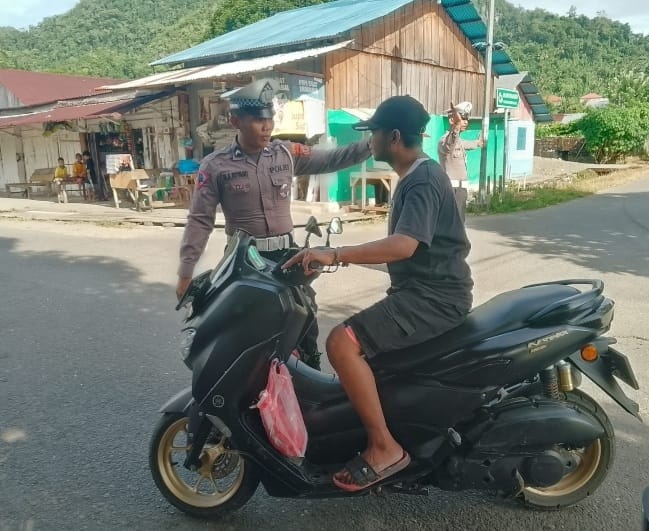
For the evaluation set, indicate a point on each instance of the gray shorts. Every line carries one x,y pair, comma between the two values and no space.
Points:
403,319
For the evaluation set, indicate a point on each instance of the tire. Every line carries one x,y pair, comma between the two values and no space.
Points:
197,493
595,462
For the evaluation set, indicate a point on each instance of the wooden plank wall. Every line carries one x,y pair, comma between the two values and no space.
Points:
416,50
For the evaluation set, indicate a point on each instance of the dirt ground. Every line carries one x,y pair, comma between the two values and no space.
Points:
547,168
556,172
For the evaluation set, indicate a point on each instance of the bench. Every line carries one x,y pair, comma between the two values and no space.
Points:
41,178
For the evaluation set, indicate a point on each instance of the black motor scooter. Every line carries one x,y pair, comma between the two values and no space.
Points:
493,404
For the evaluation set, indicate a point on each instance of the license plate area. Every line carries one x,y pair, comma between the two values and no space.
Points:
621,368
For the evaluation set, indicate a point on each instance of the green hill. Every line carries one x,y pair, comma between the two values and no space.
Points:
567,55
113,38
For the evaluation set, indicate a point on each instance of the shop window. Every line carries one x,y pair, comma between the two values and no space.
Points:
114,143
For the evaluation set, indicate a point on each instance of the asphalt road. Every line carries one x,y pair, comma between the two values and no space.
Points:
89,351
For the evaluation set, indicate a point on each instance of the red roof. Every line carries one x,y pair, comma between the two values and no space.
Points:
591,96
554,99
59,114
35,88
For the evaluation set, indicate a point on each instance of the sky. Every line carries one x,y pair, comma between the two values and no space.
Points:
24,13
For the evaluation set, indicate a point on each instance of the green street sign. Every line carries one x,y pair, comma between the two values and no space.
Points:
506,98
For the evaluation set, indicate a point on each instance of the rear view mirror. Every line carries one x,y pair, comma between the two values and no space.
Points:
312,227
335,226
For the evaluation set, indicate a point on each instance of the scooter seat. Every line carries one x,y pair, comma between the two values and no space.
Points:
505,312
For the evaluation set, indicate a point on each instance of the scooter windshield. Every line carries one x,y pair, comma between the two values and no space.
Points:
226,260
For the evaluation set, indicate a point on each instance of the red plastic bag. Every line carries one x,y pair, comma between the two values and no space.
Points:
280,413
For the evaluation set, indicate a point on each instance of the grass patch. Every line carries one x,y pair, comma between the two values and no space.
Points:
531,199
546,194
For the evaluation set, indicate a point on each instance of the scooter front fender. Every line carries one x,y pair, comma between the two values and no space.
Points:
179,403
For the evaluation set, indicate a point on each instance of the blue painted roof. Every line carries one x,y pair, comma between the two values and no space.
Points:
297,26
466,16
310,26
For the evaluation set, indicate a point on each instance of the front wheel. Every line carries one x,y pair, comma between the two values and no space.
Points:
224,482
591,463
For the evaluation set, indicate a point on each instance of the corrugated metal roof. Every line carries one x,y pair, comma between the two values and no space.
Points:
188,75
309,26
523,82
36,88
306,25
66,110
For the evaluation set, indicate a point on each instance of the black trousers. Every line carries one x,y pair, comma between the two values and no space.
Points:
309,343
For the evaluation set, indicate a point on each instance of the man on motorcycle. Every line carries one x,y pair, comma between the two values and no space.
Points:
430,293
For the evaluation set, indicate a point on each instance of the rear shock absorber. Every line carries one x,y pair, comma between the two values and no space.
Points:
550,381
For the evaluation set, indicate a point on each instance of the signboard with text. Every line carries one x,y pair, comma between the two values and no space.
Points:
507,99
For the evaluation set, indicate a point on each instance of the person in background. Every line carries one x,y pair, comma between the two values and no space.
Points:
452,149
93,177
80,174
60,175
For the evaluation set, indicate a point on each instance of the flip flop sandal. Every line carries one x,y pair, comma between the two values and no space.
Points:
364,476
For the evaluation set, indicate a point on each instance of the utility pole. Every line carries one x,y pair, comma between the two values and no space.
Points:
487,105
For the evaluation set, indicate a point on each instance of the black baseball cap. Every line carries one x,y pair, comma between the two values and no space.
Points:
404,113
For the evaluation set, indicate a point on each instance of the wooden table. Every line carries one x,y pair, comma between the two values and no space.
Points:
141,188
387,178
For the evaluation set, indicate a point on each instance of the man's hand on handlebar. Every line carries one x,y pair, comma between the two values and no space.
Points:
312,259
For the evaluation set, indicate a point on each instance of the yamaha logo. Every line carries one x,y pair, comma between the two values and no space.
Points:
218,401
542,343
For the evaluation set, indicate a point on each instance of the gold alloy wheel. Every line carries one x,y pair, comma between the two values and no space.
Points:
214,483
589,460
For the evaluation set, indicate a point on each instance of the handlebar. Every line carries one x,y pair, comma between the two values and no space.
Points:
316,266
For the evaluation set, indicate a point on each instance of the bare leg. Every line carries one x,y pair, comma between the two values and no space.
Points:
357,379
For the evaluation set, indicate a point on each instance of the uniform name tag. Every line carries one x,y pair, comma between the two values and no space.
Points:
229,175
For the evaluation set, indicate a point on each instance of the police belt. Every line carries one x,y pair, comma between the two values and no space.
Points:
274,243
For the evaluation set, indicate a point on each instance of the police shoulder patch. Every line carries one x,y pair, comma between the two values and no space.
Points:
203,178
300,150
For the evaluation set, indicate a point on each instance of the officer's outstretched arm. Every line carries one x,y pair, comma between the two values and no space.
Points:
309,161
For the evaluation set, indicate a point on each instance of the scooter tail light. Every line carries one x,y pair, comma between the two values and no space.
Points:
589,353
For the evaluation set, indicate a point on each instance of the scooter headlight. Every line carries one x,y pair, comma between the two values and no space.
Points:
186,340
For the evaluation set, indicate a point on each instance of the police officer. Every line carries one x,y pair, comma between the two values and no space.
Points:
452,149
251,180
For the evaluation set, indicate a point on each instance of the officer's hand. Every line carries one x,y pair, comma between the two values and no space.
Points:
181,287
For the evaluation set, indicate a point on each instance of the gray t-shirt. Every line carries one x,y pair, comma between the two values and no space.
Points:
424,208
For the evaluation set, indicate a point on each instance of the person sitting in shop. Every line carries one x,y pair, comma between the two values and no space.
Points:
60,175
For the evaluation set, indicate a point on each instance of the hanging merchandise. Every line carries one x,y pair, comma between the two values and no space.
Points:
52,127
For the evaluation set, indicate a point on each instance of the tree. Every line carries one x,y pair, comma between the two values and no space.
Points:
615,132
235,14
629,88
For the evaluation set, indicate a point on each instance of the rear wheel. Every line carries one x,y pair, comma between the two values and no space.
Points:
224,482
591,463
